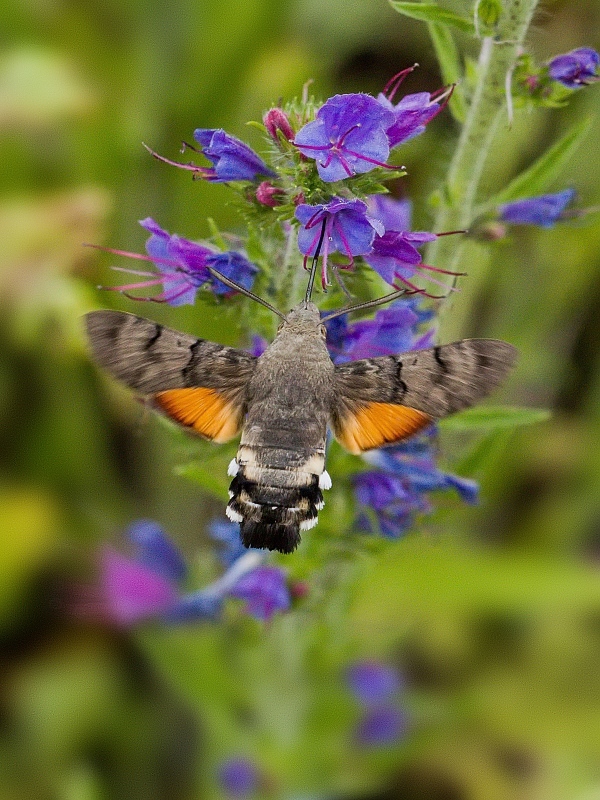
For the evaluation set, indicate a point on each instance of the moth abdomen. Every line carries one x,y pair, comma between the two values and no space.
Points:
273,516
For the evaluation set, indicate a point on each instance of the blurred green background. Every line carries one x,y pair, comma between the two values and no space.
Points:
492,613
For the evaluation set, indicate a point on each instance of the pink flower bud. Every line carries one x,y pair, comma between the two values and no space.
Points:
269,195
276,120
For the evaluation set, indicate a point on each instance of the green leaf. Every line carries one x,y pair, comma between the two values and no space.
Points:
484,453
536,179
450,66
494,418
214,481
430,12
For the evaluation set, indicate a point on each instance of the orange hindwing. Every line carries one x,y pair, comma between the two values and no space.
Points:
377,424
207,411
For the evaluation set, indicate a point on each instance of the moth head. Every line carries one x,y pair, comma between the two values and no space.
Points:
303,318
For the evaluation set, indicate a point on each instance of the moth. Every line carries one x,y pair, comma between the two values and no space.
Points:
284,401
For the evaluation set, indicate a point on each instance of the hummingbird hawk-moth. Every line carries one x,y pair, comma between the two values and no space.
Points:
284,401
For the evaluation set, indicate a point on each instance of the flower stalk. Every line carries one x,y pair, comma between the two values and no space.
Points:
497,58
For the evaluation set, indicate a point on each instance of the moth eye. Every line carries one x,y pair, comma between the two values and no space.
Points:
323,331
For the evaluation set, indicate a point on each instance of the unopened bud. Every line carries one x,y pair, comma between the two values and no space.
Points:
269,195
276,121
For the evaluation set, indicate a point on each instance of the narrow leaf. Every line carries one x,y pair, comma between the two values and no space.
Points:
536,179
450,67
494,418
205,476
430,12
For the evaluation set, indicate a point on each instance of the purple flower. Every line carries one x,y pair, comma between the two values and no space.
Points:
381,726
393,501
231,158
376,687
348,230
235,266
575,69
148,585
372,683
131,592
411,115
413,112
155,551
395,255
390,332
348,136
269,195
258,347
276,121
544,210
238,777
265,591
398,490
394,215
182,267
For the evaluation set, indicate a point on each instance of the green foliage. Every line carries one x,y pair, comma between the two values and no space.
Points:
431,12
544,171
494,418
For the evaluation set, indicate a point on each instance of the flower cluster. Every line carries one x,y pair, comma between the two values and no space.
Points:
397,490
321,183
377,689
148,585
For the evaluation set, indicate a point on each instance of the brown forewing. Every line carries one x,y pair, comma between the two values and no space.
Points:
433,383
159,361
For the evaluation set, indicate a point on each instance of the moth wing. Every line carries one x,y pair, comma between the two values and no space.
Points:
380,401
200,384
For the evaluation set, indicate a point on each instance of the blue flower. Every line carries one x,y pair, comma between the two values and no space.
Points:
238,777
544,210
394,215
227,535
147,586
395,255
231,158
392,499
265,591
235,266
182,267
391,331
380,727
376,686
348,136
411,115
398,490
575,69
155,550
388,333
372,683
348,229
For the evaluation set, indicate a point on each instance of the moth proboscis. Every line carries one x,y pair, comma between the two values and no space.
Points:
283,402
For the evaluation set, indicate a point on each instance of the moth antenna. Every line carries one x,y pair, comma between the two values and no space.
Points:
313,268
388,298
236,286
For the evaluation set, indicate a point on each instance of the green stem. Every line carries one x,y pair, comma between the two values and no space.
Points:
496,60
288,291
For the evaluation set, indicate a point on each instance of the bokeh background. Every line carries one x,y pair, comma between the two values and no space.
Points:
492,613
